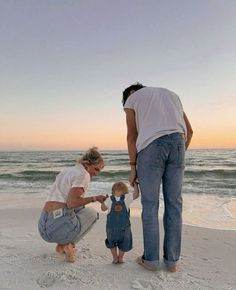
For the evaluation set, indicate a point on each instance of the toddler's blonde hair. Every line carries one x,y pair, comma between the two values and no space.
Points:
120,186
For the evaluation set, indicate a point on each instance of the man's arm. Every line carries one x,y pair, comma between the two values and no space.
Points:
132,135
136,191
189,131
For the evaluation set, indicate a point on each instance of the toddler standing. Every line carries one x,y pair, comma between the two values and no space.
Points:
118,228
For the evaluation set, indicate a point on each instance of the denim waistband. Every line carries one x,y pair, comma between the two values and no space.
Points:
65,211
173,136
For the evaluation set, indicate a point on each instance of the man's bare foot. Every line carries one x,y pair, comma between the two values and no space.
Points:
173,268
141,262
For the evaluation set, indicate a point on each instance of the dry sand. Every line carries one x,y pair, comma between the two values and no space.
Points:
208,258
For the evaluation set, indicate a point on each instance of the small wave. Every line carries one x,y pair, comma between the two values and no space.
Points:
119,162
50,175
115,175
12,162
65,161
214,173
112,153
30,175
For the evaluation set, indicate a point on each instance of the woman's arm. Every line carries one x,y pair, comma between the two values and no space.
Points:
75,198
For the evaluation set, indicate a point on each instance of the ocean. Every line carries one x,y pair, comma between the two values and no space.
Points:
208,173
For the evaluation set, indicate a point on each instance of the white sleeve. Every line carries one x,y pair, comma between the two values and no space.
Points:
129,103
81,180
108,203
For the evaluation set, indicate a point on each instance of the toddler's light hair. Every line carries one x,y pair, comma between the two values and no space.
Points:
119,186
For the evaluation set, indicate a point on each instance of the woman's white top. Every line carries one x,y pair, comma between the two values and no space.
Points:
75,176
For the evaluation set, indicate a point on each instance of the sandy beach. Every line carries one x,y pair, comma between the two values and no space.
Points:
208,259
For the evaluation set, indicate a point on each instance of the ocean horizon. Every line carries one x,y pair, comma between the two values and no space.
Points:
209,171
105,149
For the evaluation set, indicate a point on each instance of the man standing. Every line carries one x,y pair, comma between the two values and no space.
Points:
158,133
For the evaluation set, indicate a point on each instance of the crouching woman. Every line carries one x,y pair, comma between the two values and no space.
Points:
65,219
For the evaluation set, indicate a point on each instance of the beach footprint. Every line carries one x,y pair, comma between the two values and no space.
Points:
143,284
71,276
85,253
48,279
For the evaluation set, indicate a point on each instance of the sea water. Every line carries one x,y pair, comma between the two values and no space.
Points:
209,187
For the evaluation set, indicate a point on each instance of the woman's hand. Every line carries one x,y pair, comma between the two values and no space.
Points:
101,198
76,199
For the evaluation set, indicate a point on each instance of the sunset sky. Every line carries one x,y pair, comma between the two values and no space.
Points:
65,63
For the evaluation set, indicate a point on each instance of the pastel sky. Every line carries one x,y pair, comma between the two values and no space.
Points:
65,63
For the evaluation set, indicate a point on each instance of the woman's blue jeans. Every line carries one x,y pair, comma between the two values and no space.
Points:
162,161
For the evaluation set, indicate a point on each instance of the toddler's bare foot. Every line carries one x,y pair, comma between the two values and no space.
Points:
120,260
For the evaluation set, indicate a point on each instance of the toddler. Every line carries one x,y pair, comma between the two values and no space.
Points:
118,228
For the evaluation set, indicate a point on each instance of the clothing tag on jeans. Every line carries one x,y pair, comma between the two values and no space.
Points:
57,213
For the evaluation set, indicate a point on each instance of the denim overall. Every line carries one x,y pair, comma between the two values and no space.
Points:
118,226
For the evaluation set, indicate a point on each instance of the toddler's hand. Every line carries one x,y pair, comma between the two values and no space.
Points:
101,198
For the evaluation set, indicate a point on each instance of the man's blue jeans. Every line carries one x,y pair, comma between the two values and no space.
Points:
162,161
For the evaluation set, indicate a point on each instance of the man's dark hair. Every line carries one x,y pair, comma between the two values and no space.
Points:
126,93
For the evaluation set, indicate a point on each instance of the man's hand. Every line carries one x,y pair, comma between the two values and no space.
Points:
132,177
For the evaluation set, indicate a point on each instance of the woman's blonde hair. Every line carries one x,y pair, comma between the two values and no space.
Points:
92,157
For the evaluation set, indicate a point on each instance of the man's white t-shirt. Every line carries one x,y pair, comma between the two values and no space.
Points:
158,112
75,176
129,197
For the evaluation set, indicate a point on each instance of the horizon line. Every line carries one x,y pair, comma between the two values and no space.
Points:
74,150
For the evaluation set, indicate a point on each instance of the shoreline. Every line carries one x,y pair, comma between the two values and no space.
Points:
204,211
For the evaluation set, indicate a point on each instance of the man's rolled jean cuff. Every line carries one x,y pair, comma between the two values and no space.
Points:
170,263
154,264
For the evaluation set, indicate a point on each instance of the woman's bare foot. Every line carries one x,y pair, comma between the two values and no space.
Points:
70,254
60,249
